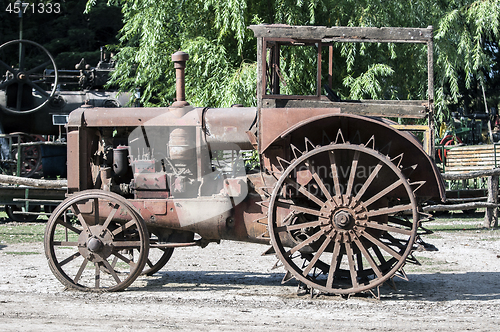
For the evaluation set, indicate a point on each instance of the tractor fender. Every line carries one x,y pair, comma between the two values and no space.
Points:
401,146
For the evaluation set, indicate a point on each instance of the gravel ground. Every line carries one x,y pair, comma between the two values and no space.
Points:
231,287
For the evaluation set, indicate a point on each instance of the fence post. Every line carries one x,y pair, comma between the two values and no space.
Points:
491,215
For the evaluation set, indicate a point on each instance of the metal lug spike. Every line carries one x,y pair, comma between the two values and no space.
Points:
269,251
372,141
376,296
296,152
288,276
425,216
411,259
402,274
264,204
339,135
419,184
263,222
277,265
282,161
400,157
307,143
267,190
325,139
264,235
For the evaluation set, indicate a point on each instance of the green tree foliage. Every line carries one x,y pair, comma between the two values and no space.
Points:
221,69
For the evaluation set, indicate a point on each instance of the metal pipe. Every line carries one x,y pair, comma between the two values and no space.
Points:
179,59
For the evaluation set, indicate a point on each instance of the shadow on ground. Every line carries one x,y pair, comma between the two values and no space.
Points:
475,286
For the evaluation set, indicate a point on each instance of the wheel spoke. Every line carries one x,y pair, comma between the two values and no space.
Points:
78,214
352,267
369,181
19,98
97,275
368,257
380,244
298,226
383,192
112,271
304,243
335,261
69,259
335,176
8,68
125,259
37,68
304,191
394,209
296,208
96,209
352,176
111,215
65,244
80,270
317,255
385,227
124,227
69,226
319,182
22,56
38,88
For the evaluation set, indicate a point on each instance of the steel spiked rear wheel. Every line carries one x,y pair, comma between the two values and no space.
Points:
96,241
343,218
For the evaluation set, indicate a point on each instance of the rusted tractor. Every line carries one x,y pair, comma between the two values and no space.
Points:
338,193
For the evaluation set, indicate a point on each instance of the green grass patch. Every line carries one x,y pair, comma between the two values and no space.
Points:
22,253
11,233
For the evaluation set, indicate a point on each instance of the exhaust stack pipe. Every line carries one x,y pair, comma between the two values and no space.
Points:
179,58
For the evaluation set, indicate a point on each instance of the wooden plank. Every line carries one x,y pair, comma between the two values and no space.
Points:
347,34
380,109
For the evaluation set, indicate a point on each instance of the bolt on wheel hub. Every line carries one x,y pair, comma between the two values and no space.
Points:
342,219
94,244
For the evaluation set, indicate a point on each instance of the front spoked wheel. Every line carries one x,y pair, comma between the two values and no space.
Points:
343,218
96,241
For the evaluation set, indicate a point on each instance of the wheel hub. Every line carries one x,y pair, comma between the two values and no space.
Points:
21,76
342,213
342,219
97,245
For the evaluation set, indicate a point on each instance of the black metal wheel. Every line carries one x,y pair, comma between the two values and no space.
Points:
342,218
31,156
96,241
11,210
24,83
157,258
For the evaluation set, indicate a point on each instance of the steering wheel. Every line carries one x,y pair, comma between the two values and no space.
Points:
24,87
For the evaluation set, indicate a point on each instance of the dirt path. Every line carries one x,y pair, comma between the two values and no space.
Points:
230,287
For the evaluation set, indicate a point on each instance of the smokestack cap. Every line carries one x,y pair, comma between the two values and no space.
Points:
180,58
